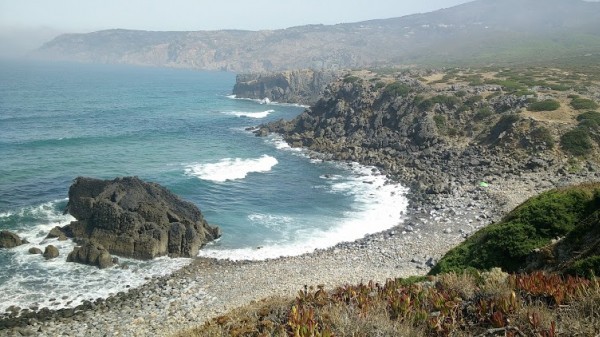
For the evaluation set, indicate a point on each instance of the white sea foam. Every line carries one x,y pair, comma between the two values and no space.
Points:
55,283
231,169
266,101
260,114
276,222
279,143
377,206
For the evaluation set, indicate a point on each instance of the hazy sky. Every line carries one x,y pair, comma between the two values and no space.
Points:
91,15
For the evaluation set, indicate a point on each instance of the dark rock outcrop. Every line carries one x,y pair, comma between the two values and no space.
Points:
299,86
9,239
56,232
133,218
50,252
92,254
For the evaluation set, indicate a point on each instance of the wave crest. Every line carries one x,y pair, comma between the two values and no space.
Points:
257,115
231,169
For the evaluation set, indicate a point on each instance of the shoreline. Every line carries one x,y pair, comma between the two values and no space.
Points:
208,287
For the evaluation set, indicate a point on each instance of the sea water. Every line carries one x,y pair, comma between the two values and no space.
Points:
183,130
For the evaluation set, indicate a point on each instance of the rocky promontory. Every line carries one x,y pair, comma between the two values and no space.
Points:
297,86
438,131
132,218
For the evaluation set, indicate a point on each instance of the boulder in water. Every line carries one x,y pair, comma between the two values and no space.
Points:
35,250
133,218
50,252
9,239
91,254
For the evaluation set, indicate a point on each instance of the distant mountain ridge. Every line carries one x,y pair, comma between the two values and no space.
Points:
482,31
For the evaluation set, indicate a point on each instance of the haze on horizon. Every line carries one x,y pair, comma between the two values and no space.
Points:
27,24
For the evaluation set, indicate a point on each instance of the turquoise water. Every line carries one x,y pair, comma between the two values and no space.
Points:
178,128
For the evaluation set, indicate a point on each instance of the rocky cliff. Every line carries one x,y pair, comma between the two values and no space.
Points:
441,130
483,31
133,218
298,86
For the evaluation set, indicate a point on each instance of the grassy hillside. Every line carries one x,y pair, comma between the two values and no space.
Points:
560,227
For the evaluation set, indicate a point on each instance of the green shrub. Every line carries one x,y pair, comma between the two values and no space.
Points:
351,79
475,80
471,101
532,225
543,135
449,101
560,87
483,113
588,267
545,105
577,142
508,85
379,85
583,104
590,118
425,104
524,93
397,89
440,122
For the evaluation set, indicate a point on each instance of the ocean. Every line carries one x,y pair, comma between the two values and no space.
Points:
183,130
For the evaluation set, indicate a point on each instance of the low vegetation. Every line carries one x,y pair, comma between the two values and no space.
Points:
511,243
545,105
397,89
579,103
579,141
453,304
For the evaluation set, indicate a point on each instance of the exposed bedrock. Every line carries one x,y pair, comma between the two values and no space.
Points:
132,218
298,86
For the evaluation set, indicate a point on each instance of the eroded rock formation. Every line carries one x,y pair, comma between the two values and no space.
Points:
298,86
133,218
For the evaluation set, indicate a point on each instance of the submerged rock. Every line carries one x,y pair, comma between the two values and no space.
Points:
9,239
133,218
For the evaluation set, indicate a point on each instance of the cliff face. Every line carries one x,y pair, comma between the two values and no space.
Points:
483,31
299,86
439,131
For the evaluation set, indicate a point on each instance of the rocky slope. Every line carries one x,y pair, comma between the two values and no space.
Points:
484,31
438,131
132,218
298,86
